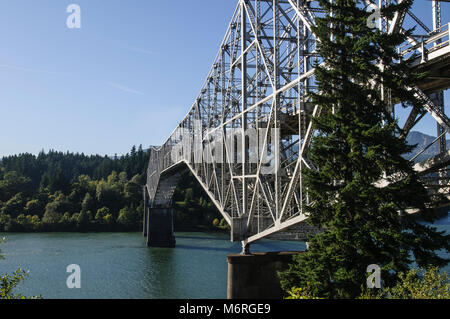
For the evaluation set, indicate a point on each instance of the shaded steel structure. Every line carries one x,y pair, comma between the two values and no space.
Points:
247,135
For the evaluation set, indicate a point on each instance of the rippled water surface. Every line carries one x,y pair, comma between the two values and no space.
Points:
119,265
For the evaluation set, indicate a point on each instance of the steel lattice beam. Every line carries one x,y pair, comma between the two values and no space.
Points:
259,82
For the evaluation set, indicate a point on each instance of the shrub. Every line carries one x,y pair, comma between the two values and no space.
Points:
8,283
415,284
301,293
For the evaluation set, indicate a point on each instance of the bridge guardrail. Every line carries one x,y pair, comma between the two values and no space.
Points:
429,43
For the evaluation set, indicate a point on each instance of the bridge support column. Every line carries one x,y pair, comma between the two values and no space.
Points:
255,276
245,248
144,230
160,227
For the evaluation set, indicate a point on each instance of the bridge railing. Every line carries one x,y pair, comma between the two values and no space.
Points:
160,160
425,45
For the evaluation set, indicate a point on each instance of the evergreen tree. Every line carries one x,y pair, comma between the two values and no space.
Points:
358,143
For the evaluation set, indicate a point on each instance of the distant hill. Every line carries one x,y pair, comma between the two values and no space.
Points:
423,140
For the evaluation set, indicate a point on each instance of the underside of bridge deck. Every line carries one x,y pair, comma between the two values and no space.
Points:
438,70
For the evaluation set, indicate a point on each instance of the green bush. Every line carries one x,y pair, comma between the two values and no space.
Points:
301,293
9,282
415,284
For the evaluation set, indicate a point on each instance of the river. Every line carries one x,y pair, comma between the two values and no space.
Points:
119,266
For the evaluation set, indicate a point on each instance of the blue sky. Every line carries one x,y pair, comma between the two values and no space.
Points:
127,77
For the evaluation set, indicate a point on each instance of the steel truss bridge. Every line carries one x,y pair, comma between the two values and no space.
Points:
247,135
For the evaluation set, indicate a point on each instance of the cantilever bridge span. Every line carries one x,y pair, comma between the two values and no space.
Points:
247,135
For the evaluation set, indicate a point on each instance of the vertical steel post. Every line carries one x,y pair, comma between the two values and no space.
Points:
276,105
440,95
244,155
436,14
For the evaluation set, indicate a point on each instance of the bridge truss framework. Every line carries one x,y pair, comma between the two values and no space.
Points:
258,83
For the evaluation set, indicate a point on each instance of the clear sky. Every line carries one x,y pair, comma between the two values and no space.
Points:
127,77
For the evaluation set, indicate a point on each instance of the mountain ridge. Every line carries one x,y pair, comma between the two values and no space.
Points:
423,140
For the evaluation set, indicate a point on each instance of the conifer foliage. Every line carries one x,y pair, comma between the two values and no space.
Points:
357,145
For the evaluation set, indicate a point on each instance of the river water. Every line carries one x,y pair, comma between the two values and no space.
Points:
118,265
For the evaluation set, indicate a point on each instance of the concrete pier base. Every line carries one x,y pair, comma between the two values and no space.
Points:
144,228
160,228
254,276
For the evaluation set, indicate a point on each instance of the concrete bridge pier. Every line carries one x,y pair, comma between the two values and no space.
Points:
159,225
144,230
255,276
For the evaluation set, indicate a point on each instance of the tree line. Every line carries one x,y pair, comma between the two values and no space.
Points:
58,191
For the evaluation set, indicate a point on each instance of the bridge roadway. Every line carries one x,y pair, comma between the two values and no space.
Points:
258,81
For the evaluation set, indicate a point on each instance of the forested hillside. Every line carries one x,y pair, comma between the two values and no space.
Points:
57,191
